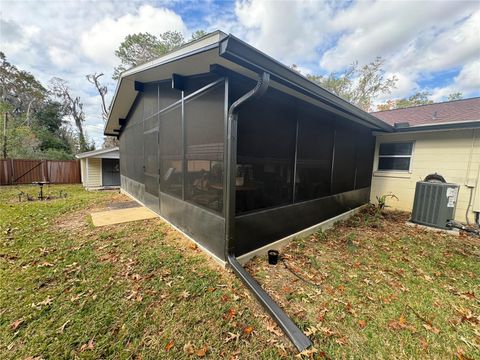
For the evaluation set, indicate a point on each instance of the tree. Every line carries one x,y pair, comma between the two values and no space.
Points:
198,34
455,96
20,89
73,107
358,85
102,91
419,98
135,50
108,141
32,123
49,126
140,48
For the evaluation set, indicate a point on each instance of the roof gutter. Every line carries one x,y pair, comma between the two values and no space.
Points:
445,126
247,56
298,338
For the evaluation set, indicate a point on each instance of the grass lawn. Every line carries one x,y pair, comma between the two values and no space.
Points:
142,291
385,289
129,291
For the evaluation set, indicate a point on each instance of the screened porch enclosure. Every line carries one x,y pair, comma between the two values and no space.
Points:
297,164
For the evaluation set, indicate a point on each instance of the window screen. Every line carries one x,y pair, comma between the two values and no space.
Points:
204,121
171,162
265,152
314,154
395,156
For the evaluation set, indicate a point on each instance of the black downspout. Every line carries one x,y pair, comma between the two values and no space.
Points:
297,337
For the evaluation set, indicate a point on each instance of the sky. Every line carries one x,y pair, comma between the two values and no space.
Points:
428,45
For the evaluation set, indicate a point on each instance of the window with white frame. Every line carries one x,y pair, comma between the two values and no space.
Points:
395,156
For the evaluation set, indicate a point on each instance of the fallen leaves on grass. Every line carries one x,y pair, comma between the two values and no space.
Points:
47,301
273,329
14,325
61,329
230,314
45,264
248,330
431,328
424,344
308,353
460,354
169,345
362,324
88,346
188,348
202,351
232,336
400,324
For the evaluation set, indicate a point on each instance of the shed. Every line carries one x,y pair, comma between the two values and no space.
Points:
239,151
100,169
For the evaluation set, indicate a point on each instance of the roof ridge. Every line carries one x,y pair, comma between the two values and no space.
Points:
422,105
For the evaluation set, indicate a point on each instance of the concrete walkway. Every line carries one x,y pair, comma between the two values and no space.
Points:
112,217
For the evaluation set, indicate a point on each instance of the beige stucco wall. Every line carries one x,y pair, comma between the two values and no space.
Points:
91,174
455,154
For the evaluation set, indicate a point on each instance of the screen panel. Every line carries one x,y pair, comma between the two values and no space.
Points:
314,153
204,121
171,152
344,162
266,150
365,154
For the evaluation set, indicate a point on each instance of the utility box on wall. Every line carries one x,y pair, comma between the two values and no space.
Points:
434,203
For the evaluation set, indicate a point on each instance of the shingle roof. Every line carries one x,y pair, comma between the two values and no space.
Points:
445,112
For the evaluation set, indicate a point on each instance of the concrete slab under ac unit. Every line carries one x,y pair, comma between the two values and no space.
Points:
112,217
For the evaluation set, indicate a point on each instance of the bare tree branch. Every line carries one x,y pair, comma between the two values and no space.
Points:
102,91
72,107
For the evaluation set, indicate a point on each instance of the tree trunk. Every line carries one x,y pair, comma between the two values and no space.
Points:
5,135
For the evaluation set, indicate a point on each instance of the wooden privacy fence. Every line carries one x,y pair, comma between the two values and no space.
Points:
18,171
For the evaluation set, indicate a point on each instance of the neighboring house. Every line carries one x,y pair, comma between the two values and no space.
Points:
100,169
441,138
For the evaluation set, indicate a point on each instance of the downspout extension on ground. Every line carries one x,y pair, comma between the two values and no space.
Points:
298,338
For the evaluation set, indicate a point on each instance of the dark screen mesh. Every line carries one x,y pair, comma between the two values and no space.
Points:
136,114
204,121
151,162
343,178
365,152
150,106
123,151
171,163
167,95
133,134
266,149
314,153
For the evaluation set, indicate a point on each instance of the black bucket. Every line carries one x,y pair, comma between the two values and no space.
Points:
272,257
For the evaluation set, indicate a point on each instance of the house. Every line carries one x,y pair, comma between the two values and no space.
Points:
238,151
100,169
441,138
